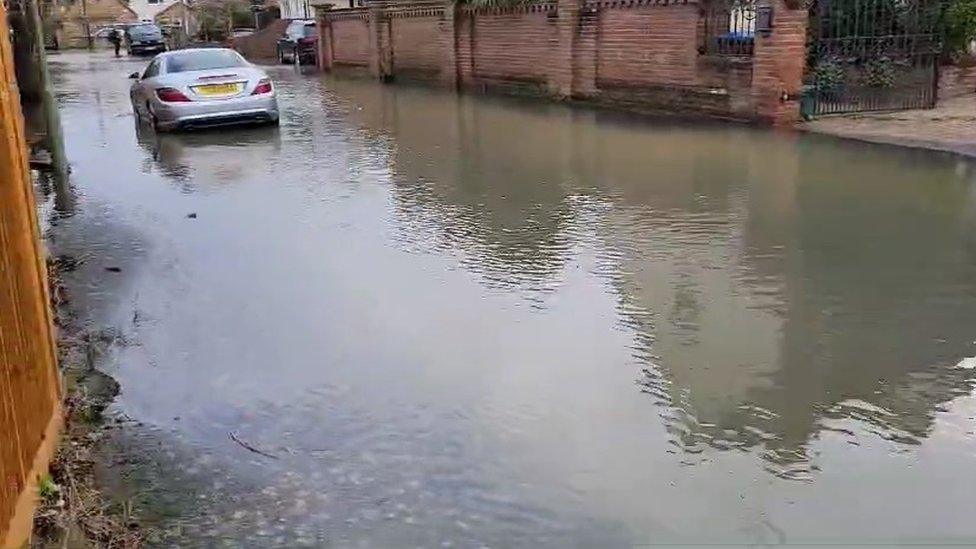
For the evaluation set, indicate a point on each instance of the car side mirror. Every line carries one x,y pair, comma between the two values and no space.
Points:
134,76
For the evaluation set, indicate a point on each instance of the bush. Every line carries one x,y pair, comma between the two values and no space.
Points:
828,75
880,72
960,18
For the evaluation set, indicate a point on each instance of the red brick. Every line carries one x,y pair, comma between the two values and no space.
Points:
638,55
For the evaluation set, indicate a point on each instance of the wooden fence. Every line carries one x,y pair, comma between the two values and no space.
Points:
29,379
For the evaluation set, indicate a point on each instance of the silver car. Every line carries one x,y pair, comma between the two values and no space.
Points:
196,88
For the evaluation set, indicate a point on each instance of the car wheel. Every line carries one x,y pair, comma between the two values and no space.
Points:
153,121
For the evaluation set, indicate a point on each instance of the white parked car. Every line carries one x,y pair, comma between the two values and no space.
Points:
205,87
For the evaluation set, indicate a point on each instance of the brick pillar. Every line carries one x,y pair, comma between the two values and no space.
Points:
561,44
777,65
380,43
324,26
464,23
585,52
448,29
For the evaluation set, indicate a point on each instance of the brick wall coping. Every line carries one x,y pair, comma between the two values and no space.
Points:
634,3
428,8
415,11
348,13
532,7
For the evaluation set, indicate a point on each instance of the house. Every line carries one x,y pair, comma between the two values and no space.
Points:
305,9
296,9
147,10
178,14
76,22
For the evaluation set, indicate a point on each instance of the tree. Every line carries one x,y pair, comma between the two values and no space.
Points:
960,20
217,17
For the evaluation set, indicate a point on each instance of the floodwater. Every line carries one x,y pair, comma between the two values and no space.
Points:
408,318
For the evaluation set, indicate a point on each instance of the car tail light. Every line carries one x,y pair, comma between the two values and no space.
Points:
171,95
307,40
263,87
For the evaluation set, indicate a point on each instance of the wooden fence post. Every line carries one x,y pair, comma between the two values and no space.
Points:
29,379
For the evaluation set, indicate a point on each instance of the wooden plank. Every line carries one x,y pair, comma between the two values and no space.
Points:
29,379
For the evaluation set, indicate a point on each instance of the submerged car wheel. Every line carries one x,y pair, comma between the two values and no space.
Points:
153,121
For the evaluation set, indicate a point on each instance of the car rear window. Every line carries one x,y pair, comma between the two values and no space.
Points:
145,31
294,30
204,60
300,29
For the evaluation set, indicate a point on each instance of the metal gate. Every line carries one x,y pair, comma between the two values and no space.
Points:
874,55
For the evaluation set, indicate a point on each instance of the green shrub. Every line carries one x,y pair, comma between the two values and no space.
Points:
828,75
960,21
879,72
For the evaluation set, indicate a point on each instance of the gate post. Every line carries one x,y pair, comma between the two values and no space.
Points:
585,51
778,62
380,42
559,79
325,36
448,28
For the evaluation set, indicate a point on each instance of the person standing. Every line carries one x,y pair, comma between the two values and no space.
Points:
115,37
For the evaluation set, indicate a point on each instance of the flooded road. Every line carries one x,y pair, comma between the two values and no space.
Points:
408,318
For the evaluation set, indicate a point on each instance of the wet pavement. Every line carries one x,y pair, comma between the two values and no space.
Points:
408,318
950,126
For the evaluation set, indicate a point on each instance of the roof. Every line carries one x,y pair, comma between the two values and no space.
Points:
180,3
76,10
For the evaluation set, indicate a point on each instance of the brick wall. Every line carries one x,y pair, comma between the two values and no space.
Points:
263,44
647,59
509,46
350,40
648,44
417,46
636,54
956,81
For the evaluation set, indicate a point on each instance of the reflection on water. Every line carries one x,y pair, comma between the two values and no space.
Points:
167,152
465,320
774,283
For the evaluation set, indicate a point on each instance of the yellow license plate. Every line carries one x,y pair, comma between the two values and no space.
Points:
211,90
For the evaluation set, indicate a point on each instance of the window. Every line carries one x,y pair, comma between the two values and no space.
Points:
729,27
204,60
152,70
295,30
154,1
146,31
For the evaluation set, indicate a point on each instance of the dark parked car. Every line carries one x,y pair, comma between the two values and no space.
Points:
301,40
144,38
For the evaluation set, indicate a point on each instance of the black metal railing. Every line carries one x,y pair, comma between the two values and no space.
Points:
873,55
729,27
